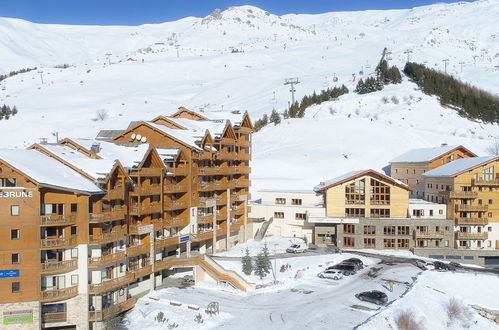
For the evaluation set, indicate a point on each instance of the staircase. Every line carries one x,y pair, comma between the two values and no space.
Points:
260,234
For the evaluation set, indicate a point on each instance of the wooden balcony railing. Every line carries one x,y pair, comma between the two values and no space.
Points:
202,236
472,221
54,317
175,188
160,243
463,194
206,186
482,182
113,214
205,218
471,208
117,193
118,308
57,220
244,156
140,229
429,235
141,272
147,190
150,171
209,170
177,221
175,205
242,183
96,262
136,250
109,285
109,237
244,143
467,235
58,267
58,294
63,243
242,170
177,171
154,207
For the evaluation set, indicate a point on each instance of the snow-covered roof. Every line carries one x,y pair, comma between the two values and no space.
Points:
216,127
422,154
47,171
354,174
236,117
457,166
167,153
188,136
129,156
290,191
413,201
97,168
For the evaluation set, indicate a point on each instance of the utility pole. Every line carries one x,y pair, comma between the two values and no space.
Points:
461,63
176,47
292,82
474,59
41,77
446,61
108,55
408,52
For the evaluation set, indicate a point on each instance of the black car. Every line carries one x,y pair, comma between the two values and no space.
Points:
355,261
375,297
347,269
455,267
440,266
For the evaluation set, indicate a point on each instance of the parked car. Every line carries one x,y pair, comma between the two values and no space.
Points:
455,267
333,249
440,266
374,296
355,261
334,274
297,248
346,269
420,264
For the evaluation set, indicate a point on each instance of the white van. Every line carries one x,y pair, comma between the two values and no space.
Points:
297,248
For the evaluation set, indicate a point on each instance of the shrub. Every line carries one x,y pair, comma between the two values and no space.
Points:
406,320
457,312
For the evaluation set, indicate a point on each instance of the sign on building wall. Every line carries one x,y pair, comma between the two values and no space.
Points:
9,273
184,239
16,194
16,317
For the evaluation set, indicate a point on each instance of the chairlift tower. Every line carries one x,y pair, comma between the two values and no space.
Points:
461,63
446,61
408,52
292,82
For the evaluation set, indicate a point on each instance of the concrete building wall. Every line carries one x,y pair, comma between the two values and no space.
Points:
21,307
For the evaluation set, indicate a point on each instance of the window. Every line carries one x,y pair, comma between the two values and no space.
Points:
7,182
369,242
440,212
417,213
74,208
74,253
422,229
14,234
348,241
489,214
431,213
380,213
402,243
356,213
403,230
348,229
388,243
389,230
300,216
355,192
380,193
489,229
296,201
74,230
421,243
74,279
446,243
14,210
280,200
15,258
16,287
488,173
490,201
369,230
279,215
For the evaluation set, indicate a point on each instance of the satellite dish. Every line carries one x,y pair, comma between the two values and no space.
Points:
133,136
138,137
144,139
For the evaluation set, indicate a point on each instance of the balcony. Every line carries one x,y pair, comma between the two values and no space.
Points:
242,183
154,207
242,170
429,235
154,189
482,182
175,205
463,194
160,243
96,262
244,143
243,156
54,317
57,220
150,171
205,218
207,201
175,188
206,186
471,208
140,229
474,236
472,221
137,250
202,236
177,221
58,243
58,294
108,237
117,193
58,267
118,308
222,185
113,214
141,272
112,284
177,171
209,171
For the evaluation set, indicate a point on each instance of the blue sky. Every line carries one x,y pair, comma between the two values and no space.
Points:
127,12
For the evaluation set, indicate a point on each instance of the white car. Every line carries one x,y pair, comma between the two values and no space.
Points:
334,274
297,248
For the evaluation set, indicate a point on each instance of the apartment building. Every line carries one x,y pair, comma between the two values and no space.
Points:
367,209
91,224
469,189
288,211
410,166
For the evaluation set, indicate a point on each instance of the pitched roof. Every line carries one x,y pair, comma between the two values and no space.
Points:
47,171
355,174
426,154
458,166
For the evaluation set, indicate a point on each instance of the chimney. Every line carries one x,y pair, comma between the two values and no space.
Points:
95,148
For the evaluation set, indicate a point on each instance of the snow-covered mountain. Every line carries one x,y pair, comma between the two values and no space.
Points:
238,58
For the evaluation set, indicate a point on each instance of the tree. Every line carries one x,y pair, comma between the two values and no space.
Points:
493,149
247,263
260,266
266,258
275,118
